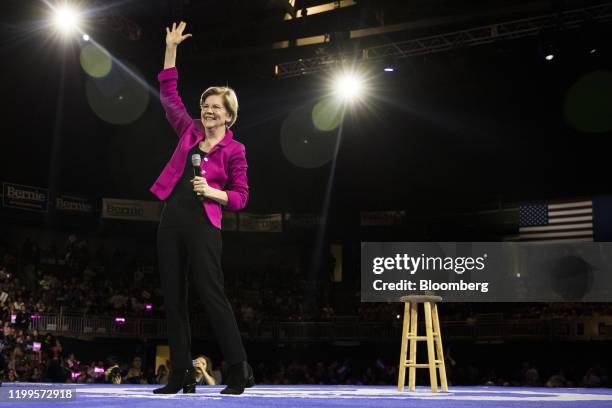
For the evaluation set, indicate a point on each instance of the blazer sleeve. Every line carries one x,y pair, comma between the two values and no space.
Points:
237,184
176,113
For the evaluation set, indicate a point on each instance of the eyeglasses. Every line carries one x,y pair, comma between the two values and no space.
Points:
215,108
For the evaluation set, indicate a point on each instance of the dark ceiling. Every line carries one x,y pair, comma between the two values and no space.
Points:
446,130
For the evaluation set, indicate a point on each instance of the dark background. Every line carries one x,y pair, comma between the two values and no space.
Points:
444,136
442,133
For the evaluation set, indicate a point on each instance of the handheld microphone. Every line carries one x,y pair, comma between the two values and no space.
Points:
195,162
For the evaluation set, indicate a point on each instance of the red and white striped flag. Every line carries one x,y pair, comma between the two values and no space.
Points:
556,222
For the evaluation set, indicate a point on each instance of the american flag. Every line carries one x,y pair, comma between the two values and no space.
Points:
556,222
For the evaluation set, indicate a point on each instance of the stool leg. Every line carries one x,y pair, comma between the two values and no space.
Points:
413,346
431,357
401,378
439,349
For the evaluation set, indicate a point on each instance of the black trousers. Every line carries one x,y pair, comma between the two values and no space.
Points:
196,246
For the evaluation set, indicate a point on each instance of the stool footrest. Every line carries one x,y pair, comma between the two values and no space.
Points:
420,338
421,365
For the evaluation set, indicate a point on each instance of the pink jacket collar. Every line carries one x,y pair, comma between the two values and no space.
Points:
199,127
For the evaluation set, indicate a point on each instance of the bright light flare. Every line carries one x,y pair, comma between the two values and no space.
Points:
66,19
349,87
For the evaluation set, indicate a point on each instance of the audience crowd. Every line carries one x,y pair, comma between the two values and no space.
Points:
28,356
36,280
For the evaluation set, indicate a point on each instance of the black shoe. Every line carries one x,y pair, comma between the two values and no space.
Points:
239,376
251,380
186,381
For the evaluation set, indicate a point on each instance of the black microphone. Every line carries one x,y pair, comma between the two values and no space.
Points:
195,162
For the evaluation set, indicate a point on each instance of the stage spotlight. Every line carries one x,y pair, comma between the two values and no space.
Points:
549,45
389,64
593,51
66,19
85,37
348,87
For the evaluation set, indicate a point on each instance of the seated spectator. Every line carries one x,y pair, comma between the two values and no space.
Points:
112,374
134,374
532,377
557,380
84,377
204,373
592,378
162,375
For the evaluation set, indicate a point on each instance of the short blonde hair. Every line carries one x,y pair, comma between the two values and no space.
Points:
230,100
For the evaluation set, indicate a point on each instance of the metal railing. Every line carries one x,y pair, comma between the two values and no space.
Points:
526,27
575,329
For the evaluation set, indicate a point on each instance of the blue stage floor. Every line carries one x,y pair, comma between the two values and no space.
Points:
265,396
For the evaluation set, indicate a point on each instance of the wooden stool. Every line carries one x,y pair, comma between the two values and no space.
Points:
433,335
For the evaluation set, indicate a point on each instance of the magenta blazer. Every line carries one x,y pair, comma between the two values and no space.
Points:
224,167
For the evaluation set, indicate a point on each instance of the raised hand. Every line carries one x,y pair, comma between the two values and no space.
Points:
174,36
199,366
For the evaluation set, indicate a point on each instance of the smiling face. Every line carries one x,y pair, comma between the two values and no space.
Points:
213,112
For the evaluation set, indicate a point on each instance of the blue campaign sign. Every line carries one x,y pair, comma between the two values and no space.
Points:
24,197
